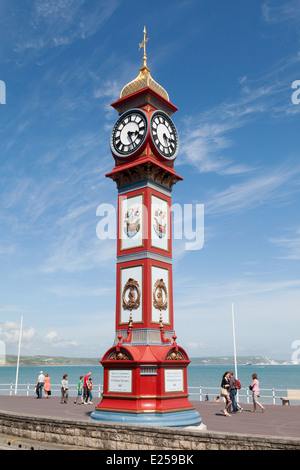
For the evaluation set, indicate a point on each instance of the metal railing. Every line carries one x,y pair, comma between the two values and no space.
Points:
244,395
29,389
267,395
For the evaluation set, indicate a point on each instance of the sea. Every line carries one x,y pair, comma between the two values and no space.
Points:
203,380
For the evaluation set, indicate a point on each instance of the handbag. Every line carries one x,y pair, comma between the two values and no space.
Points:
49,392
224,392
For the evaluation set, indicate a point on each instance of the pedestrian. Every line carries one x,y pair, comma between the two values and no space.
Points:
86,390
232,392
225,392
79,390
254,387
47,388
64,389
40,385
91,390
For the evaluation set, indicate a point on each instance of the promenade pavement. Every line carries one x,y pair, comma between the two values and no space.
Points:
277,420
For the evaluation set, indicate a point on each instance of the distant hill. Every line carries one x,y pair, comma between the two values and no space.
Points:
52,361
241,360
85,361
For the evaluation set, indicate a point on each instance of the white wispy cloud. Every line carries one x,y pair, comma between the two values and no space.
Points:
59,23
109,89
188,297
272,186
206,138
69,187
53,340
281,12
7,250
72,291
10,333
8,309
75,252
289,246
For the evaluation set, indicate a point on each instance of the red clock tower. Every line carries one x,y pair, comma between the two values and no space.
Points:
145,371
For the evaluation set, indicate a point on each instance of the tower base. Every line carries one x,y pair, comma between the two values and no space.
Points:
147,385
178,419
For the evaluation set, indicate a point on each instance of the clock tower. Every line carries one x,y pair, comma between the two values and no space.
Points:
145,371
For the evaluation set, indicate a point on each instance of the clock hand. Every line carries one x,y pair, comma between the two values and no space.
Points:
165,138
131,133
168,140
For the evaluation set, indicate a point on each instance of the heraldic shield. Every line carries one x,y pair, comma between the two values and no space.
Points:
132,222
160,225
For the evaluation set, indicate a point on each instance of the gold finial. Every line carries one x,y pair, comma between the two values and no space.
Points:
143,44
144,78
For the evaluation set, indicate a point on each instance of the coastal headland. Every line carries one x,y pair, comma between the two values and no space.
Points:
11,360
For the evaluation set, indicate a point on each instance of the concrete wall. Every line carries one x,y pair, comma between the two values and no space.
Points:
109,436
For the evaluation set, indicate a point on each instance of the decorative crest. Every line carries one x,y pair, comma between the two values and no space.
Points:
131,295
160,295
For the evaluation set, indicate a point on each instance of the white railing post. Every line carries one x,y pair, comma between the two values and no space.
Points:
274,397
200,393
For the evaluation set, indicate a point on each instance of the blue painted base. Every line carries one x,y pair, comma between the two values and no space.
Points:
178,419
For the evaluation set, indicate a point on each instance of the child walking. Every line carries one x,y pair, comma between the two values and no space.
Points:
79,390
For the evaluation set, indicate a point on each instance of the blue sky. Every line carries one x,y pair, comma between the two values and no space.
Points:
229,67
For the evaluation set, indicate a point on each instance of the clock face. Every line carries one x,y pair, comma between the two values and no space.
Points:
164,135
129,133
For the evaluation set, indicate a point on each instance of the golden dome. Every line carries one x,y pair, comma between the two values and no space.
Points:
144,79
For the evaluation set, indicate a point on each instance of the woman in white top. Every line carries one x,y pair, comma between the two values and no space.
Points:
64,389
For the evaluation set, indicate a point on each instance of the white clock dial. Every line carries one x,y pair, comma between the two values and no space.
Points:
164,135
129,132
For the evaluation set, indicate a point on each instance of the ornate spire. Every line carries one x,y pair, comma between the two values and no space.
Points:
144,79
143,44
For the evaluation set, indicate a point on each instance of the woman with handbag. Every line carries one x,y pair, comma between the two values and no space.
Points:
47,389
225,392
254,387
